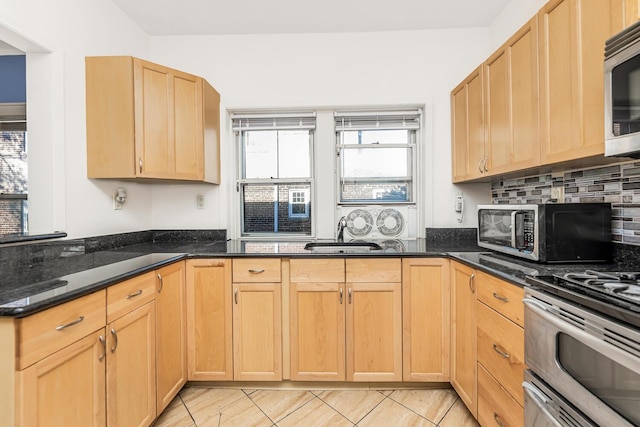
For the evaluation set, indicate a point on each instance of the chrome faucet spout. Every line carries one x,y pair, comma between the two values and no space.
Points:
342,223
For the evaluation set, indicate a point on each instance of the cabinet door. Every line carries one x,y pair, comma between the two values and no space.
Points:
153,120
467,128
257,331
463,334
131,368
571,42
66,388
511,113
171,332
374,331
425,283
188,137
631,12
209,320
317,331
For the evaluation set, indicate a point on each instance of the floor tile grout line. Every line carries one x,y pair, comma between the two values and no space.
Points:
259,408
422,416
300,407
449,410
365,415
188,411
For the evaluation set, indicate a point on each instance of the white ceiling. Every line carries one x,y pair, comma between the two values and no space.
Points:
199,17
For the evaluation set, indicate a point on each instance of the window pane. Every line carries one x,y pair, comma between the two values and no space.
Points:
13,182
295,159
375,162
261,154
13,216
13,162
376,137
277,154
376,192
267,209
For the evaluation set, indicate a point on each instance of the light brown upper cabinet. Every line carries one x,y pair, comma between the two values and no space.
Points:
145,120
572,34
629,12
511,104
467,128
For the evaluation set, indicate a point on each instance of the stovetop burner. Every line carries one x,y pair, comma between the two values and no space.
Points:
615,294
624,285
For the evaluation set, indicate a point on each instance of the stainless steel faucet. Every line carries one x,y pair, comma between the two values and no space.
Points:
342,223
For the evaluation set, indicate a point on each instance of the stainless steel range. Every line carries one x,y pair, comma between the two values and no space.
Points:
582,347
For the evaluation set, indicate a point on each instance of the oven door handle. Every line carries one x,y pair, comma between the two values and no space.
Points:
611,351
541,402
513,229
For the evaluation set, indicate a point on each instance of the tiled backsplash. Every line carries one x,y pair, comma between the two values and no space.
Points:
618,184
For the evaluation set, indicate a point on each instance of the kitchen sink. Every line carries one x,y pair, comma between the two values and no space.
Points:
342,247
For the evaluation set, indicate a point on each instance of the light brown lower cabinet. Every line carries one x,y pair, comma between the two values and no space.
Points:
345,330
209,320
464,356
171,332
426,319
66,388
496,407
257,332
131,368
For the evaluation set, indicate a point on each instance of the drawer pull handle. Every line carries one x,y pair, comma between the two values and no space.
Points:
350,295
498,419
500,351
135,294
340,295
235,296
471,280
252,271
161,282
66,325
500,297
115,340
140,163
104,348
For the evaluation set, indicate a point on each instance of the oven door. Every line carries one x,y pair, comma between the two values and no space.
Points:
591,361
544,408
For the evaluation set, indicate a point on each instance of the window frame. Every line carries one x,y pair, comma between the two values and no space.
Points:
242,183
411,145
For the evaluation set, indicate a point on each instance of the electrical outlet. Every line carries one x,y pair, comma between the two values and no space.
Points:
199,201
557,193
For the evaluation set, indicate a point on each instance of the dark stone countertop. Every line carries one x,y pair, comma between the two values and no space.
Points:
26,290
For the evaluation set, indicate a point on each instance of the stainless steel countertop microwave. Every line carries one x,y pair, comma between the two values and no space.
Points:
552,233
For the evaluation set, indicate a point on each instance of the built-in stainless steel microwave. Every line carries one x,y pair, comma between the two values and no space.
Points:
558,232
622,93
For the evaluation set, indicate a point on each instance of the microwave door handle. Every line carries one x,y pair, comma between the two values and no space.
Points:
513,229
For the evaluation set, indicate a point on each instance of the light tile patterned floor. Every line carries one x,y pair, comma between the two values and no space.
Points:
222,407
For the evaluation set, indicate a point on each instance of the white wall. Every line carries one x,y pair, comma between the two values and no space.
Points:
253,71
327,70
57,35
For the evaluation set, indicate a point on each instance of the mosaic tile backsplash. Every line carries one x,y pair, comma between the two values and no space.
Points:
618,184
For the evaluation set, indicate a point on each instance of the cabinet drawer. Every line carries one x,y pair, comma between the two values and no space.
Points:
495,406
44,333
502,296
316,270
256,270
129,295
374,270
501,350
